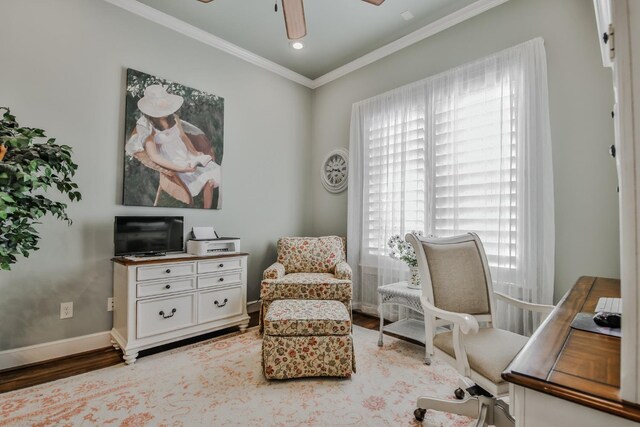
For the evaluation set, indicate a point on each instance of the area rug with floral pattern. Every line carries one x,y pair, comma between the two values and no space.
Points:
219,382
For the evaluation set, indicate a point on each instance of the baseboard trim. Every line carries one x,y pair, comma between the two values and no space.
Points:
52,350
253,306
369,309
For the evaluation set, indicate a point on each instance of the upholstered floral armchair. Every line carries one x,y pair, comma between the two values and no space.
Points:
307,268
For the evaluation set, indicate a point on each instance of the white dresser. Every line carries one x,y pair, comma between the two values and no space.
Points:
161,300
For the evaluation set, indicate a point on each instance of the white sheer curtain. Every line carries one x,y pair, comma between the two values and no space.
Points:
465,150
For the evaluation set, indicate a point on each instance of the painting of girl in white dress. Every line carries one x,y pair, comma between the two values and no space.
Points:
174,144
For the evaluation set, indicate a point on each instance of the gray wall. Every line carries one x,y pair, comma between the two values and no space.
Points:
580,92
62,68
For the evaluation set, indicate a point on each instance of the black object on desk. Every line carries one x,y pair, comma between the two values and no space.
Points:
585,322
608,320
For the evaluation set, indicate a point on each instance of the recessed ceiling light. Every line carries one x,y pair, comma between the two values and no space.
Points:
297,45
407,15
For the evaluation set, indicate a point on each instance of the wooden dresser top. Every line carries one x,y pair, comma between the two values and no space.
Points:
575,365
178,258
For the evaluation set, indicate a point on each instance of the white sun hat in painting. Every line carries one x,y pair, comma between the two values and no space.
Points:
157,102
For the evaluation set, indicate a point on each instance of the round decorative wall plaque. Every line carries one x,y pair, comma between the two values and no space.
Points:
334,171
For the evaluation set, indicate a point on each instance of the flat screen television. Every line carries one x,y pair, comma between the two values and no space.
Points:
148,235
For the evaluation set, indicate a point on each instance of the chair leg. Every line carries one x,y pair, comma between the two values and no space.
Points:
482,418
478,404
501,416
469,407
463,384
381,317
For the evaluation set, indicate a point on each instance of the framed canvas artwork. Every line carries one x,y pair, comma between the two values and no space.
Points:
173,144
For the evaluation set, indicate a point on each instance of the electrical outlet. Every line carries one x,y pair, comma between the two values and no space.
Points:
110,304
66,310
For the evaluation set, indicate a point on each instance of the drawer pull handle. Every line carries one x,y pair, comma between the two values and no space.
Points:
220,265
173,312
168,287
168,270
221,279
221,305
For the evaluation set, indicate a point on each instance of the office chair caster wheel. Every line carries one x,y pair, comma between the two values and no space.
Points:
419,414
459,393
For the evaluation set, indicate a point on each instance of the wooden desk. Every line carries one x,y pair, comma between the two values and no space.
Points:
573,365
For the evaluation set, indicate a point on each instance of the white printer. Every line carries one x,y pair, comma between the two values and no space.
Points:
205,241
213,246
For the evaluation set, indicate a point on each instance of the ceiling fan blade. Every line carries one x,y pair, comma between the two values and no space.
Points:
376,2
293,11
206,1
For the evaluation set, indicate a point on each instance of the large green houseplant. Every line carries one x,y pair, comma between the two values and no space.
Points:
30,167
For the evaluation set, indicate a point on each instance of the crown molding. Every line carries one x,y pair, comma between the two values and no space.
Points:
207,38
428,30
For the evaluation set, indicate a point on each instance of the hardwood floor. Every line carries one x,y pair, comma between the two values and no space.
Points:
51,370
42,372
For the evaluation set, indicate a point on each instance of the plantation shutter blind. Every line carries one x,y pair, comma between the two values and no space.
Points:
474,164
467,150
395,180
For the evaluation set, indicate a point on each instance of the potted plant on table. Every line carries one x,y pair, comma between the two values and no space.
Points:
403,251
29,168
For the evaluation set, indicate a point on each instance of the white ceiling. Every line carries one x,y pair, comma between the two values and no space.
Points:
338,31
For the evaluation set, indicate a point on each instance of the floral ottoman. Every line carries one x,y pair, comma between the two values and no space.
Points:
307,338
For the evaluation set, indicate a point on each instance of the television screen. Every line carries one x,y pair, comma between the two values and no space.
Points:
148,235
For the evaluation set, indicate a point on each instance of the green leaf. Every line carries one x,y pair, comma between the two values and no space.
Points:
29,167
7,198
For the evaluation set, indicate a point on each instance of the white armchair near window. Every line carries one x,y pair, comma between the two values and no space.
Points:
457,287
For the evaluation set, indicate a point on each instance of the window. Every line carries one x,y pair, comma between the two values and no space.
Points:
395,196
475,170
459,175
466,150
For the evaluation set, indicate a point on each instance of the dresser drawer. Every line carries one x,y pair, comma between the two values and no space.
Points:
222,264
161,315
165,271
219,303
221,279
147,289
